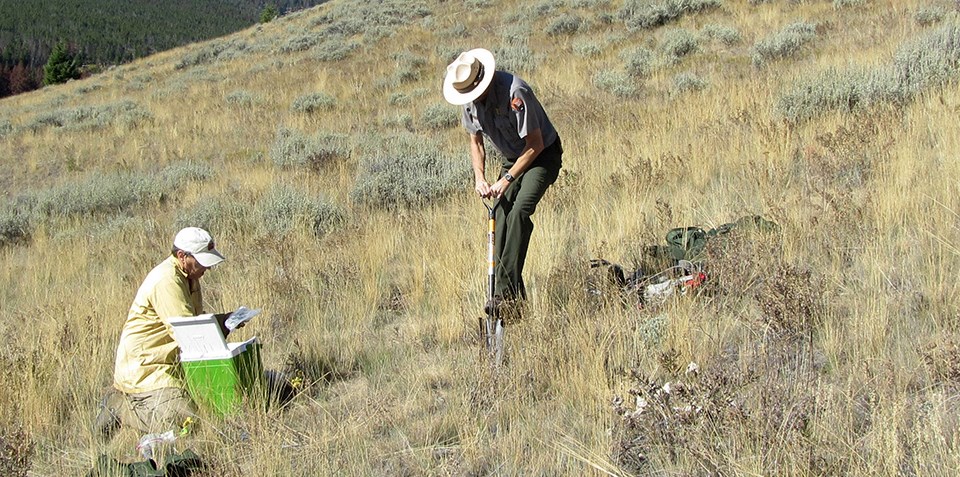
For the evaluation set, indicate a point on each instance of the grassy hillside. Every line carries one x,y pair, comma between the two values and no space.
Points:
319,151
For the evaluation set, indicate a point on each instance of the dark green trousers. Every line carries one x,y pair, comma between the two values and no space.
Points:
514,227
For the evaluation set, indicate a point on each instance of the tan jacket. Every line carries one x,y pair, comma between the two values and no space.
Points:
148,356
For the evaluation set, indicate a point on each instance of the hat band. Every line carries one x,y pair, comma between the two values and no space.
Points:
469,87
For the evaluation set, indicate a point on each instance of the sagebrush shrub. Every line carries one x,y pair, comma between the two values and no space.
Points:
215,214
724,34
284,209
118,191
334,49
313,102
678,43
932,59
440,116
15,227
926,16
404,170
292,148
240,98
785,43
644,14
586,48
685,82
848,90
566,24
6,127
125,113
616,83
640,62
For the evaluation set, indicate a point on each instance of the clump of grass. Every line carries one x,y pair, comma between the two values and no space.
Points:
292,148
440,116
686,82
334,49
646,14
616,83
785,43
678,43
285,209
405,170
126,113
566,24
926,16
313,102
724,34
214,214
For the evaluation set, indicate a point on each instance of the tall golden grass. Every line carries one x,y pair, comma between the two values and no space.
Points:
379,316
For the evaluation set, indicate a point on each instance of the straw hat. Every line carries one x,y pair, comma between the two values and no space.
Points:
468,76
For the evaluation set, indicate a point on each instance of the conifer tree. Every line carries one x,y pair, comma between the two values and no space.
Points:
62,65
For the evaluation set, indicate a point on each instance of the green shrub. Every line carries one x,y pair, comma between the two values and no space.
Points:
587,48
292,148
313,102
724,34
640,62
616,83
678,43
300,43
126,113
240,98
6,128
785,43
215,214
566,24
839,90
285,209
926,16
646,14
213,52
406,170
440,116
334,49
118,191
685,82
15,227
838,4
929,60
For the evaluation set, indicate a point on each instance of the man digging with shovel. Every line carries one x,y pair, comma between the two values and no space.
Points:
503,107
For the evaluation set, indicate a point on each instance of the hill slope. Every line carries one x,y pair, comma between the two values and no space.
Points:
320,153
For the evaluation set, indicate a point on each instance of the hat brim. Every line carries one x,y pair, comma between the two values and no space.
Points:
208,259
458,98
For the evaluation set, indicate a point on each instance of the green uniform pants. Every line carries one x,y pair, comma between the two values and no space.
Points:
514,227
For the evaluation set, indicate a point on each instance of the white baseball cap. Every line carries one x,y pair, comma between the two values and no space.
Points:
468,76
199,243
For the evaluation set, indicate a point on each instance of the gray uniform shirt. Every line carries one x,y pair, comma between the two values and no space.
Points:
508,113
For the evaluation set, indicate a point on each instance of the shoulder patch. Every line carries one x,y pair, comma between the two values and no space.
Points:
517,105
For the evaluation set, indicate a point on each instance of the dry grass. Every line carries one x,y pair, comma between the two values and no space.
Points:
830,348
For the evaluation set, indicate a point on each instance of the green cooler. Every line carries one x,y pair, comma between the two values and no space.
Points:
218,374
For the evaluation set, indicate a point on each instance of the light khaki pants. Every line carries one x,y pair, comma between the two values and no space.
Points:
154,411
